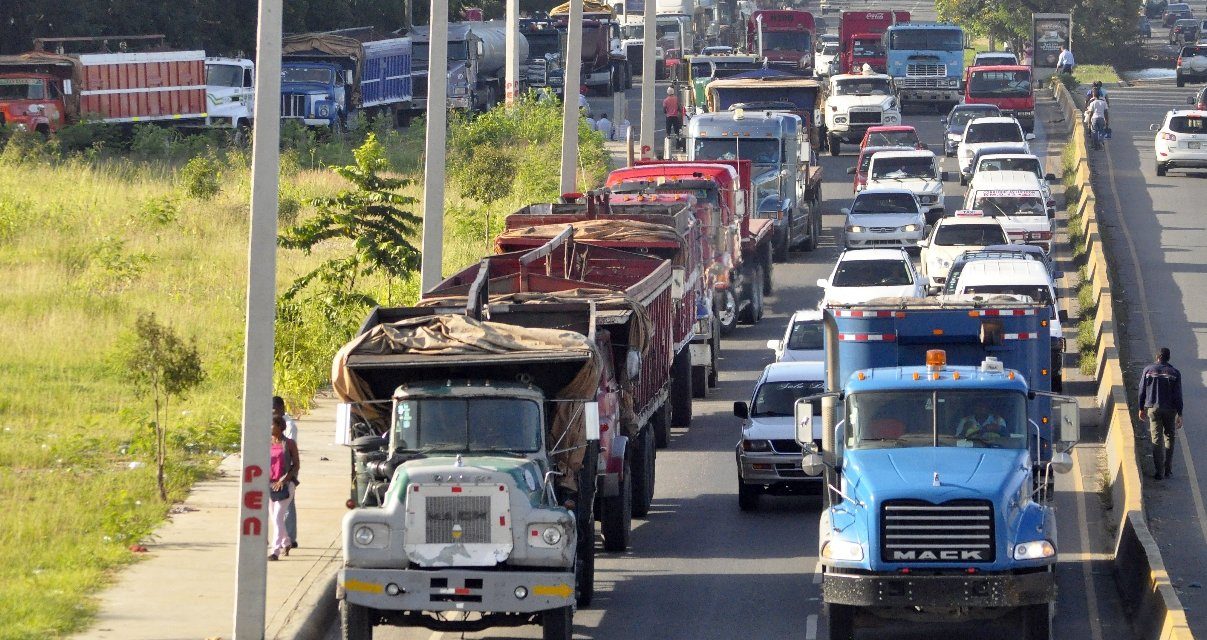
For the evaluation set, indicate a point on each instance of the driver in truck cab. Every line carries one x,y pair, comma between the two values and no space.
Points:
982,423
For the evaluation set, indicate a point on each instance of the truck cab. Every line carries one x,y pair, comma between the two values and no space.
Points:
31,101
784,38
856,102
314,93
229,91
926,61
1008,87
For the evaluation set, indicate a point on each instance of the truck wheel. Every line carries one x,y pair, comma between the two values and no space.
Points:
768,265
835,145
754,311
617,518
814,227
713,371
748,496
699,382
682,390
584,567
355,622
841,620
725,307
643,472
558,624
780,251
660,423
1037,621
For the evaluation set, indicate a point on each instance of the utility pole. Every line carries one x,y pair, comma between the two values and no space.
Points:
511,86
648,81
251,568
432,250
574,64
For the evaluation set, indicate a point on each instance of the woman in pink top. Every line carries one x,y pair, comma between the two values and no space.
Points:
283,473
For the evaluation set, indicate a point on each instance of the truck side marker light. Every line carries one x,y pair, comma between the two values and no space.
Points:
1045,419
955,375
971,570
1043,372
502,488
556,590
456,489
937,332
351,504
916,376
934,376
1010,375
502,521
862,376
905,570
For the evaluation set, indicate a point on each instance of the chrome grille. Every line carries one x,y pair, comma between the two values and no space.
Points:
938,82
921,69
882,229
293,105
864,117
470,515
917,531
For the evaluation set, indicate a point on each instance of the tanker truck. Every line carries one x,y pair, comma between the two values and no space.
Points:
477,58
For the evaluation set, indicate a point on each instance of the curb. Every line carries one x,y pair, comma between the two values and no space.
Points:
1139,569
319,611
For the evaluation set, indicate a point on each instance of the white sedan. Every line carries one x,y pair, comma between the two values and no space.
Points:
802,341
866,274
884,217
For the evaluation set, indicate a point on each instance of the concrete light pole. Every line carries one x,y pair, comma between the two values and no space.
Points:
434,152
251,569
511,86
648,81
574,63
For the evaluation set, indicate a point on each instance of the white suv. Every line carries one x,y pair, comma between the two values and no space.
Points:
967,231
1181,141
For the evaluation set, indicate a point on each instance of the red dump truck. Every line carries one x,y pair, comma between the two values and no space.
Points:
633,296
784,37
741,244
860,34
43,91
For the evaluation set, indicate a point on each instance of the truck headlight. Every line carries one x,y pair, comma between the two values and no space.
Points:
551,535
756,445
840,119
890,118
324,111
1034,550
363,536
842,550
940,262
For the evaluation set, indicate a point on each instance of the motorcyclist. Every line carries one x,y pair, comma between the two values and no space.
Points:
1097,116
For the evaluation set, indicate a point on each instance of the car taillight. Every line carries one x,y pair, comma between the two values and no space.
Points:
1179,62
1169,136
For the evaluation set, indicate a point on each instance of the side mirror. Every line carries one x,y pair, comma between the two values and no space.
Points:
1029,137
923,243
774,345
1153,127
1067,417
823,282
591,416
1057,275
850,171
1062,462
1190,100
347,77
803,417
944,176
934,291
481,49
1063,315
741,410
943,121
845,211
67,87
1050,177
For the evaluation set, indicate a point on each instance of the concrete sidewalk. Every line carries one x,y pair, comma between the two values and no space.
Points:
184,589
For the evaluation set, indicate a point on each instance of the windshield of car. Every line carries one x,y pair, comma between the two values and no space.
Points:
22,89
993,132
863,87
806,335
829,49
778,399
1010,205
1187,124
999,84
960,117
986,59
884,202
901,419
307,74
927,39
764,151
475,424
900,168
868,48
1030,165
969,235
904,138
219,75
1039,293
871,273
1176,7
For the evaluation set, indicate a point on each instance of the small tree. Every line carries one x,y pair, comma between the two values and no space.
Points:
158,363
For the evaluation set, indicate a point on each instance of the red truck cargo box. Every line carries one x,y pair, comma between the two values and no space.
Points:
143,87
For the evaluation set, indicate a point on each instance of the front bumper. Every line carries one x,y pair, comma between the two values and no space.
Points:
940,591
311,122
456,590
927,94
902,239
772,468
1025,118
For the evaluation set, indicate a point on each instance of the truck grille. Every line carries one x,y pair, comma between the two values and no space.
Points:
293,105
931,70
449,515
864,117
917,531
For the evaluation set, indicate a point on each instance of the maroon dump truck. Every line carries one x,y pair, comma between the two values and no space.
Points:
859,35
634,323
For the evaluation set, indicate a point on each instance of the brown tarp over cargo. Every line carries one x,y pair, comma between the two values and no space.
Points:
617,230
457,335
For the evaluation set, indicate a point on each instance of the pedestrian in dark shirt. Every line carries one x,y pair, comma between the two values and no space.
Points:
1161,404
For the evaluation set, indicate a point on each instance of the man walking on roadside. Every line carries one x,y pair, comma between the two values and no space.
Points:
1065,62
1161,403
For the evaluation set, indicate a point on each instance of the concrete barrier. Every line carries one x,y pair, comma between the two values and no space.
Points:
1155,610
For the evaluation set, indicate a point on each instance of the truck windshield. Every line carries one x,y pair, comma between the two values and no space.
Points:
1037,292
870,202
758,151
994,206
786,41
969,235
868,48
475,424
778,399
863,87
993,132
457,51
871,273
999,84
899,419
909,167
223,75
542,44
927,40
22,89
308,74
1030,165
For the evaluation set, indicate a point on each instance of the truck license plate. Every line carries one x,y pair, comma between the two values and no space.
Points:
1192,145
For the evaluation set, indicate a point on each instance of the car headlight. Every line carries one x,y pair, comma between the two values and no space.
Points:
551,535
842,550
854,228
955,137
1034,550
910,228
324,111
756,445
928,199
363,536
840,119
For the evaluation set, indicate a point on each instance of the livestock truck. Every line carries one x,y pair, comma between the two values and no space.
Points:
860,38
659,225
783,37
46,89
473,466
926,62
938,437
333,78
477,61
769,90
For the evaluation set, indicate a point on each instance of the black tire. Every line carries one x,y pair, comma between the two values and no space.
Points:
644,460
835,146
814,227
1181,82
558,624
963,180
748,496
841,620
767,269
753,312
355,622
1036,622
682,391
616,521
584,568
725,310
699,381
714,372
1161,169
784,245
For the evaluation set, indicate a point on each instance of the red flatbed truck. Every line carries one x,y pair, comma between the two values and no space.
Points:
859,36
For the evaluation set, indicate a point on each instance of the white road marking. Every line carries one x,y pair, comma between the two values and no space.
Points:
811,627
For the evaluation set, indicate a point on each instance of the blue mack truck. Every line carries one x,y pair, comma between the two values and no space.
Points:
938,438
926,61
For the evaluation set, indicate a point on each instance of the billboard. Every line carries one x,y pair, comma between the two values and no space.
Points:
1050,32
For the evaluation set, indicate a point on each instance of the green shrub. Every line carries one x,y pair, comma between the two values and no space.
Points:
201,178
488,175
88,135
161,210
153,141
28,147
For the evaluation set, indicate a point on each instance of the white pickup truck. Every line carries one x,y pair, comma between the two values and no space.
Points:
855,102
